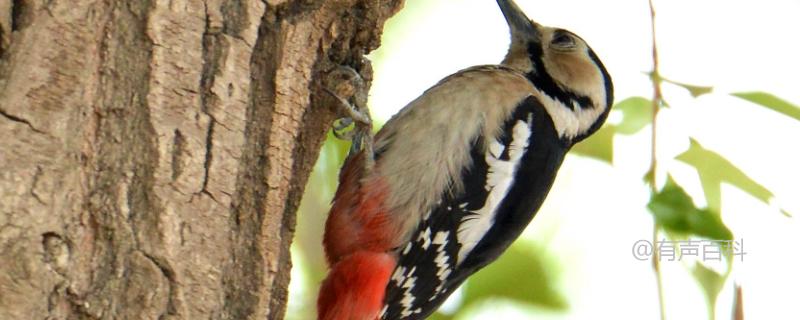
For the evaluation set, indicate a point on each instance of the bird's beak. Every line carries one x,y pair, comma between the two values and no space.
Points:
521,27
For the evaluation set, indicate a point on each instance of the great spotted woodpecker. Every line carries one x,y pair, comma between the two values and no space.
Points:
458,174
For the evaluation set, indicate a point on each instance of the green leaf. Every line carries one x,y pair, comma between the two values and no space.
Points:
438,315
711,282
694,90
637,112
714,169
674,210
523,274
771,102
600,145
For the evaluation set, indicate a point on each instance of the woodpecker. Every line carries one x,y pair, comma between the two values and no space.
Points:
457,175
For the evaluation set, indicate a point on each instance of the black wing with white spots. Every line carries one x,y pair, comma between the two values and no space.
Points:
503,189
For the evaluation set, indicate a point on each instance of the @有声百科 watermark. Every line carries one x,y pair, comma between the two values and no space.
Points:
672,250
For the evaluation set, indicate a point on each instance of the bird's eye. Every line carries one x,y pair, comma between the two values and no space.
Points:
563,41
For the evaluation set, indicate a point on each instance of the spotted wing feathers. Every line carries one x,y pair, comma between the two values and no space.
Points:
430,267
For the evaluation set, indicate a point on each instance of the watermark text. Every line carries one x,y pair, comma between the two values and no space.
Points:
677,250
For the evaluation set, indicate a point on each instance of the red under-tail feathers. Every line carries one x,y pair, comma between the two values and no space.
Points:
358,242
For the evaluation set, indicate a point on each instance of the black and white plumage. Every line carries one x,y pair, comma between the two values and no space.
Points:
549,93
476,226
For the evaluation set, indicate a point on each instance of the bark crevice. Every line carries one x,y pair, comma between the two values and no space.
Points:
19,14
21,120
247,268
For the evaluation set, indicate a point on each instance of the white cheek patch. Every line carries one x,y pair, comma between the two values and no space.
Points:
499,179
569,123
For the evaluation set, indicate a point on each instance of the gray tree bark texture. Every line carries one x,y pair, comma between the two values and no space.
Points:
153,153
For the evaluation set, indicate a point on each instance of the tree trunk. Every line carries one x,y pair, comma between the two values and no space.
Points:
153,153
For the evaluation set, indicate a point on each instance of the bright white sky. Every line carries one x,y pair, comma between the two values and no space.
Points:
596,212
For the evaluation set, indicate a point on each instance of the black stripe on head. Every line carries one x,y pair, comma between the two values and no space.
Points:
609,86
542,80
606,78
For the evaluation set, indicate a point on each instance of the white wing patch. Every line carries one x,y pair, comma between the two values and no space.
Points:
408,248
408,297
405,278
442,262
425,237
498,180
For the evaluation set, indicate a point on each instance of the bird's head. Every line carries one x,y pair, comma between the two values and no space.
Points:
563,67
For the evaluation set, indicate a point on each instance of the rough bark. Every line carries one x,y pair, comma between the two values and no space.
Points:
153,153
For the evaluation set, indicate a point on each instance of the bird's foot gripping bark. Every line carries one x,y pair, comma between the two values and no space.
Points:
346,82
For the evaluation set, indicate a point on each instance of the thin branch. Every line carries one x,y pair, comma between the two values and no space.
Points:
655,77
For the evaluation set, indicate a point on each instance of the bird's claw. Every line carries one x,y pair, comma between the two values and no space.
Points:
347,82
355,113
